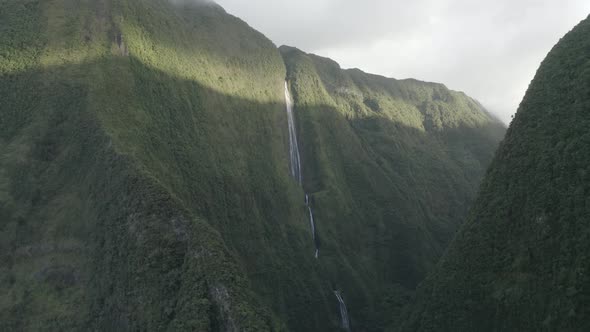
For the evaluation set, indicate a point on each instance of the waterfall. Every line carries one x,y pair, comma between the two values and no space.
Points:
343,311
295,163
312,225
295,160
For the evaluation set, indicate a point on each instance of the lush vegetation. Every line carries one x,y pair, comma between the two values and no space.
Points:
118,175
392,167
521,261
144,181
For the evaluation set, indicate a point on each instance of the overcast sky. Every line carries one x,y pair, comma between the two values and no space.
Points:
488,49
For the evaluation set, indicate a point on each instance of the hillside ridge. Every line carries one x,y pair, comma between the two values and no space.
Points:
518,262
145,180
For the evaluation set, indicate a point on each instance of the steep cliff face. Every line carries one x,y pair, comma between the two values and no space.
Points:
391,167
142,155
145,182
521,261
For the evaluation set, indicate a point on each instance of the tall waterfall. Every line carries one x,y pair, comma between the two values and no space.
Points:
295,163
343,311
293,146
312,225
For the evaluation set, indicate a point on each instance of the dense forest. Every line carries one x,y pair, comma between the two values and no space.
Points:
145,183
373,152
521,261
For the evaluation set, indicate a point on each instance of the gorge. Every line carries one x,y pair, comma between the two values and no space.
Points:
164,166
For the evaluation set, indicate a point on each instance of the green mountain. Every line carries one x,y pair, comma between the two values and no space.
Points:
145,180
521,261
374,151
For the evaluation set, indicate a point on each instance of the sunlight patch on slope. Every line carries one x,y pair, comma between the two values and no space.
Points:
231,76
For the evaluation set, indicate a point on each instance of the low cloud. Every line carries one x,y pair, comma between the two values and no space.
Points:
490,50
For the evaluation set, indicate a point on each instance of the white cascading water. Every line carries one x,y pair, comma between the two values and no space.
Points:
343,312
293,146
312,225
295,162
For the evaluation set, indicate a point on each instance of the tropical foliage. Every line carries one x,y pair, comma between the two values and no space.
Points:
520,262
144,181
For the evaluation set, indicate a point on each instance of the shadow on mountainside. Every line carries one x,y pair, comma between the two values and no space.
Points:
134,200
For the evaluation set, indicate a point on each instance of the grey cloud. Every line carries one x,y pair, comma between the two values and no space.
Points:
490,50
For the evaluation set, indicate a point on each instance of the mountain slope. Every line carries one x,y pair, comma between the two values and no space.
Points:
391,167
145,182
521,261
124,159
